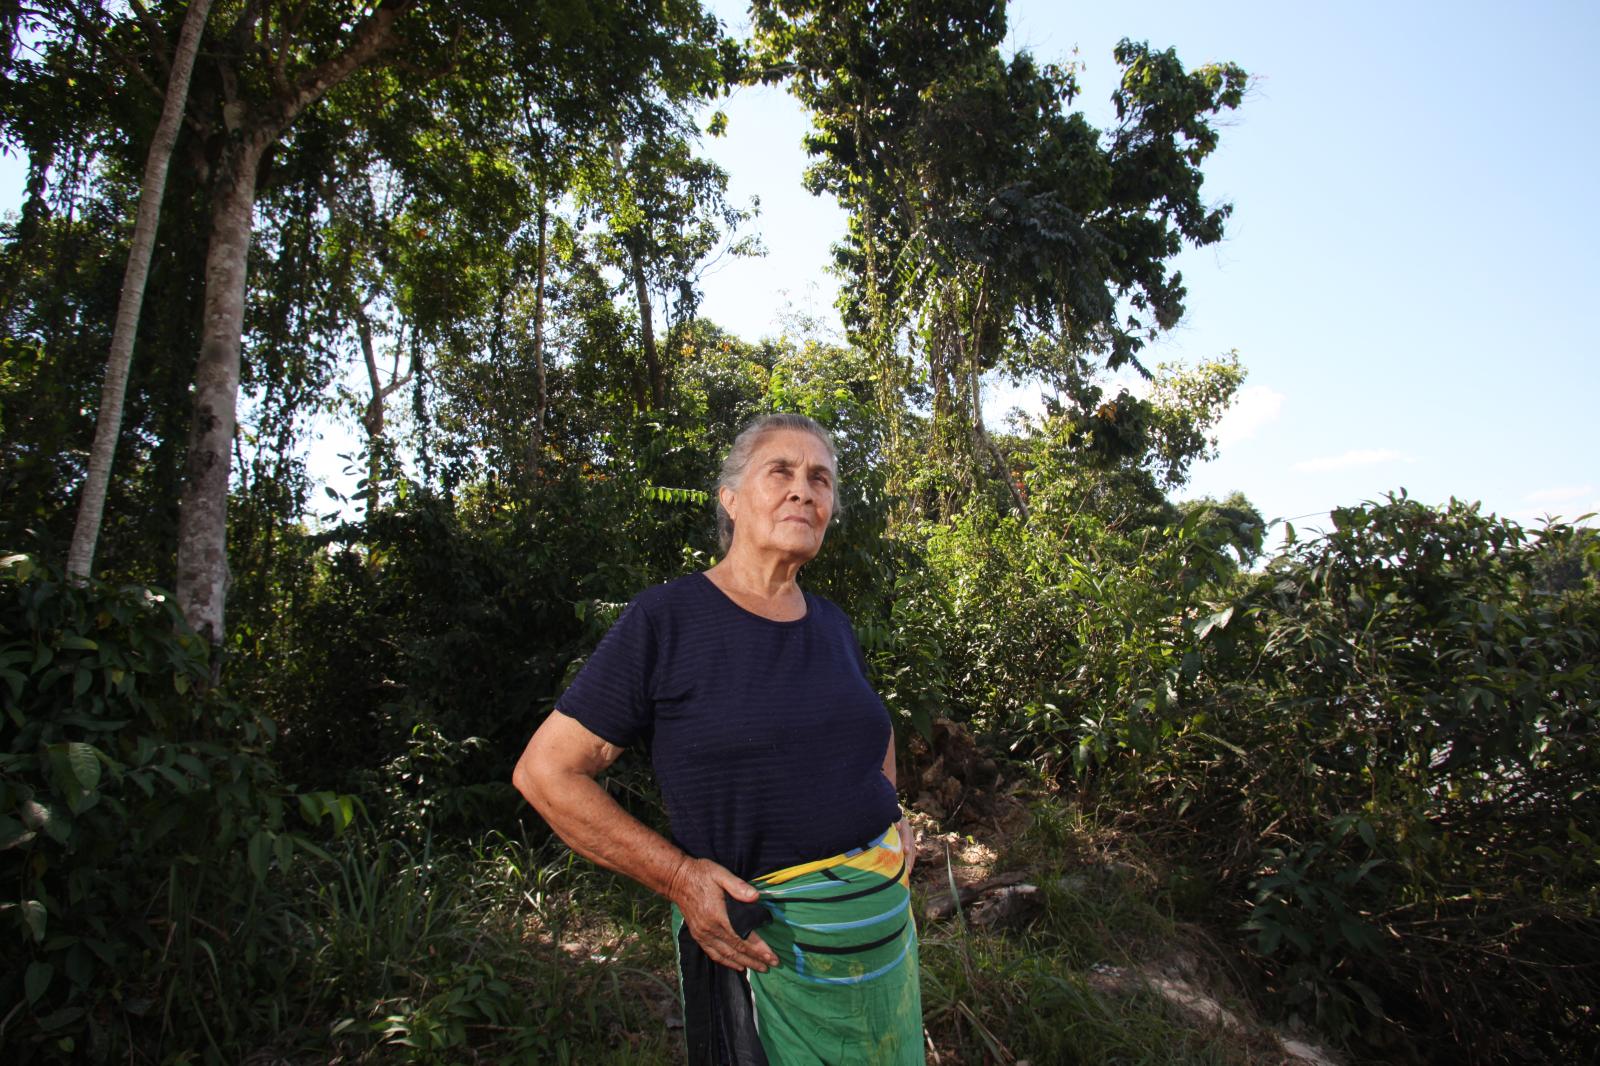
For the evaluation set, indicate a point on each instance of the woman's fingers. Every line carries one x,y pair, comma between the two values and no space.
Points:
736,887
701,897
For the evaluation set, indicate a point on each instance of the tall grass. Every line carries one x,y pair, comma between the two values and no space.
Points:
1037,992
464,955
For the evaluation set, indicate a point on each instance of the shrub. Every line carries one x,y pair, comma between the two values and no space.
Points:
139,818
1404,716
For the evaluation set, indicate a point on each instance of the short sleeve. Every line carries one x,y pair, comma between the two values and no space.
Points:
612,696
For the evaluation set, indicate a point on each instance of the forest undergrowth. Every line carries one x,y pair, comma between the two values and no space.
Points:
511,952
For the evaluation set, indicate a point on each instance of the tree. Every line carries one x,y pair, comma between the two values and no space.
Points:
666,210
250,123
274,65
91,506
985,216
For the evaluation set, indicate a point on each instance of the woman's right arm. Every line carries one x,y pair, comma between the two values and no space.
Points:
557,775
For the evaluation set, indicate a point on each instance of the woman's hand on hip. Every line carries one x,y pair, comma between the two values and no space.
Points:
698,889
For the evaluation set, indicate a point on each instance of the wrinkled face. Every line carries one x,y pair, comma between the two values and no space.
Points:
785,498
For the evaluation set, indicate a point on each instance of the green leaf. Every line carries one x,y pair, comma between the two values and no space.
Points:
1215,621
260,852
72,640
45,818
37,980
13,833
181,784
1355,933
85,762
33,913
344,814
60,1019
22,565
14,681
192,766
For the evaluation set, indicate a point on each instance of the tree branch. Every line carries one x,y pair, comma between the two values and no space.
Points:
152,27
81,24
374,34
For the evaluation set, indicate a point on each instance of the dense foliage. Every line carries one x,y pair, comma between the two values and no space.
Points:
139,816
1380,747
1366,765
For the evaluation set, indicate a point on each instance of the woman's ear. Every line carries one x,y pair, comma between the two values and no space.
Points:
728,498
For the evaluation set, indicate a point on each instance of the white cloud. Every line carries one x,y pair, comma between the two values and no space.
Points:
1354,458
1559,494
1254,407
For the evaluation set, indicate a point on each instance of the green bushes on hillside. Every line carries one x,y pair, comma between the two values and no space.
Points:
1415,704
1382,746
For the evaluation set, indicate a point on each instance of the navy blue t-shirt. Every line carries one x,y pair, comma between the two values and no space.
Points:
767,740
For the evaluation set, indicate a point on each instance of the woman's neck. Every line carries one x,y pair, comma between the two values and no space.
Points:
766,586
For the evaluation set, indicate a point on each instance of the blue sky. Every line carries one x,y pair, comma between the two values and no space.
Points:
1407,268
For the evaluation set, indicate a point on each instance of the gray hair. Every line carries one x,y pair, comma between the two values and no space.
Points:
744,446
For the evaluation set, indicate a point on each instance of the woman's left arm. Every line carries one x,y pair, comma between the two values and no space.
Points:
908,836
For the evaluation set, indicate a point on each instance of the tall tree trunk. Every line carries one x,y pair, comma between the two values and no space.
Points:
536,445
652,357
540,375
372,417
108,423
203,506
986,333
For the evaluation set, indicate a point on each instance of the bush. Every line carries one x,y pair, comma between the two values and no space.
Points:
139,818
1382,747
1391,742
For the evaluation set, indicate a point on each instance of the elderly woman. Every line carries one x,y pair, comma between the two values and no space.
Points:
776,762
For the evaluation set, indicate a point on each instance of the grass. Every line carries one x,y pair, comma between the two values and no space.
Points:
510,954
500,951
1042,993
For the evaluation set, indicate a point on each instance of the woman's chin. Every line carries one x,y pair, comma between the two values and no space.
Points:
800,549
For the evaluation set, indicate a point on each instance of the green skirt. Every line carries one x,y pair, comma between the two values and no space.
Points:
846,987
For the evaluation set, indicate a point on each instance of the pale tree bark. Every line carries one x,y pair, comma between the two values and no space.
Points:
202,577
985,331
656,394
203,506
536,456
372,419
108,422
538,145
